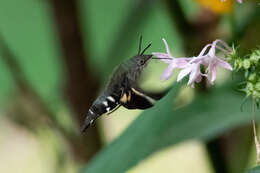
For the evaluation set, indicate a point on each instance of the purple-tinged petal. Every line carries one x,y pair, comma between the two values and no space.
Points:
166,46
224,64
204,50
167,61
205,61
168,72
183,73
197,59
222,49
181,62
226,49
213,74
199,78
224,44
195,72
212,50
163,55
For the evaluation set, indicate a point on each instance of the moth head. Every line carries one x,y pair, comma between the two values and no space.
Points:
142,60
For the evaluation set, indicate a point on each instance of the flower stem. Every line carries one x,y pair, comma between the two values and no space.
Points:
257,144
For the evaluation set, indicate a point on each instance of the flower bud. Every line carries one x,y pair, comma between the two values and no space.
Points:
252,77
246,64
238,64
256,94
255,56
257,86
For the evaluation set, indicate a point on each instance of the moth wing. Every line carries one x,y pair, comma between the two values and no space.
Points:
133,99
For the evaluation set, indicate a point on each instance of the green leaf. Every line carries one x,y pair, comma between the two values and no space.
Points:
254,170
209,115
8,85
28,29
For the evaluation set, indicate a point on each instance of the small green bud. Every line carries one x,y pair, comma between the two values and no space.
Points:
255,56
256,94
238,64
252,77
232,57
257,86
246,64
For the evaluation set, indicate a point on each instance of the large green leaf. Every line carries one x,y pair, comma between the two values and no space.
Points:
209,115
254,170
27,27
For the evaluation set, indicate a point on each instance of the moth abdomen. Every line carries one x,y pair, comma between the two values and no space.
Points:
102,105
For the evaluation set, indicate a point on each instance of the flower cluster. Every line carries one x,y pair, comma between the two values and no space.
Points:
250,66
192,65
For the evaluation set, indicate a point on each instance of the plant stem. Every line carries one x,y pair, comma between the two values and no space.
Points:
257,144
80,83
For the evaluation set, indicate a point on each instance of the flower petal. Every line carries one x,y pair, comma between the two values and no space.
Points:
183,73
198,59
224,44
168,72
224,64
198,79
213,74
195,72
166,46
204,50
212,50
163,55
181,62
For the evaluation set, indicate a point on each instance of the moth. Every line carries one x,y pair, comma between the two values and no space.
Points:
122,89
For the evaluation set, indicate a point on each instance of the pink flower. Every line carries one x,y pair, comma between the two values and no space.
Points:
211,60
193,69
172,61
191,66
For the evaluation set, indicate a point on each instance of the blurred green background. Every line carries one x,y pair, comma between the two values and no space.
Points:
55,57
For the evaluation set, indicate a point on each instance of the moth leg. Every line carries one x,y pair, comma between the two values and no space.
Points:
118,106
153,95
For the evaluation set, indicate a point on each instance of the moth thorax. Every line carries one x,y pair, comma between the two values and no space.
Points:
136,73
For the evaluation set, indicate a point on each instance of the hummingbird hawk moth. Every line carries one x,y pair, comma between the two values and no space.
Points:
122,89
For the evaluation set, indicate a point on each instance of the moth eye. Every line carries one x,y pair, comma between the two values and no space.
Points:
141,62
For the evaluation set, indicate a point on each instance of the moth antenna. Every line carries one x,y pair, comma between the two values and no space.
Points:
140,44
145,48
